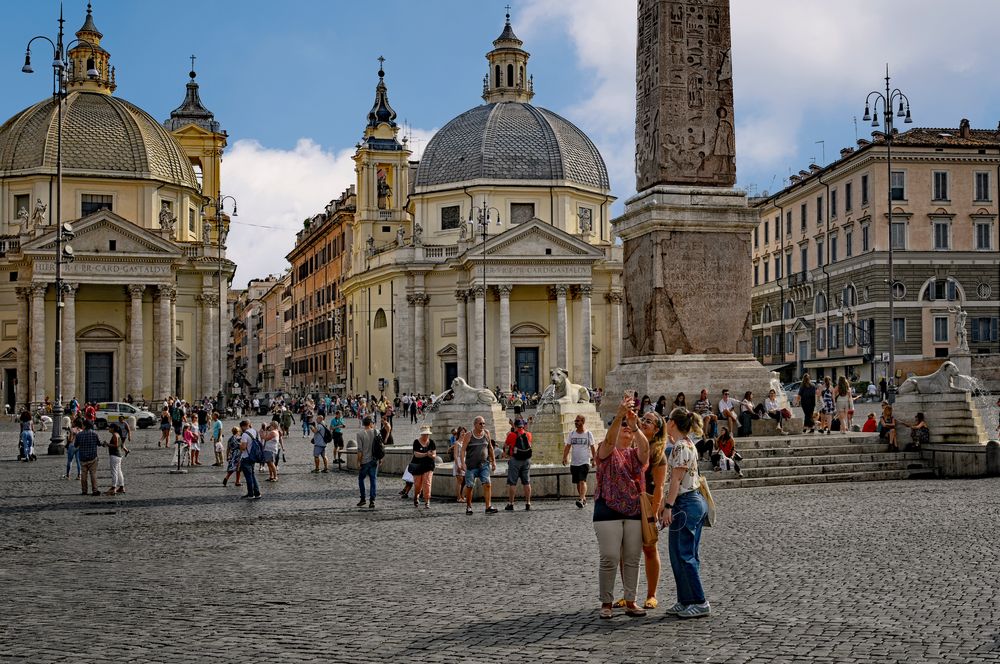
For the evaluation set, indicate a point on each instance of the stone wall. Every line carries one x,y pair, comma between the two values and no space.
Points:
987,369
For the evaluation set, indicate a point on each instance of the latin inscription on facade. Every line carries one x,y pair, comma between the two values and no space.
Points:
112,269
684,131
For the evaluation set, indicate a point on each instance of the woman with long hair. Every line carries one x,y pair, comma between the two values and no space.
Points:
844,402
680,401
233,456
654,428
827,406
806,399
683,512
621,459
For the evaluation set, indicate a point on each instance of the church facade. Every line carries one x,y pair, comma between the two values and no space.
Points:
491,258
141,314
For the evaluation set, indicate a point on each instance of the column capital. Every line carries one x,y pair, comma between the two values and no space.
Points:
504,290
168,290
135,290
23,292
560,290
586,290
461,294
421,299
478,291
614,297
70,288
208,299
38,288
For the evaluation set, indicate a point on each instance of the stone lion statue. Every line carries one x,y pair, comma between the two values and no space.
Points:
560,390
464,394
945,380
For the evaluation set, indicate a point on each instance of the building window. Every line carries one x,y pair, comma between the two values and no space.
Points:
940,329
834,336
848,196
984,236
788,223
850,295
767,345
789,342
821,338
451,217
865,239
91,203
380,320
940,189
804,216
898,290
833,203
849,335
777,227
804,256
983,187
819,253
849,244
510,76
942,289
984,329
191,215
756,237
833,249
788,263
765,314
820,306
788,312
899,329
898,238
864,190
756,346
21,202
767,271
756,274
941,233
777,267
521,212
819,209
897,186
767,231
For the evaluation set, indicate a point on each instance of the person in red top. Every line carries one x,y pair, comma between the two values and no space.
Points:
518,464
90,413
871,424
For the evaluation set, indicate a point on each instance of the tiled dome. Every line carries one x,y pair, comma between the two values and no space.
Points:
511,141
103,136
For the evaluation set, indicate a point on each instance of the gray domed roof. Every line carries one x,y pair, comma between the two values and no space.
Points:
511,141
103,136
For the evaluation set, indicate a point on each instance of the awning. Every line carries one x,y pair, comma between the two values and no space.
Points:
778,367
835,362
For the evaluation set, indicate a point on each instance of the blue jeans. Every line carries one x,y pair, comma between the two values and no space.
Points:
71,454
685,536
369,470
253,489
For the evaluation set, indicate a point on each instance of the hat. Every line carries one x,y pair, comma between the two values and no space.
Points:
425,430
519,423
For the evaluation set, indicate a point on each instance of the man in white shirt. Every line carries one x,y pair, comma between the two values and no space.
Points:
580,444
729,410
246,465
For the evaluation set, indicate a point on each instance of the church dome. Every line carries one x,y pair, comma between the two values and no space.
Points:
103,136
511,140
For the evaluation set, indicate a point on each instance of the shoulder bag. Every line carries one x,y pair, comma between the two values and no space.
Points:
706,493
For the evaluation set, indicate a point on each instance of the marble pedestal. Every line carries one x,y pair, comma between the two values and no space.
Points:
962,360
687,274
953,418
449,416
553,421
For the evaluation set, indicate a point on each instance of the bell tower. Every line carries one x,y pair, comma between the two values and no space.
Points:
88,54
508,78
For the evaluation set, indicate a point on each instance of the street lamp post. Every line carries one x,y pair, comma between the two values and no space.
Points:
481,217
890,98
219,205
64,232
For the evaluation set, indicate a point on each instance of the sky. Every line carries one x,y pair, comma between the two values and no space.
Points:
292,81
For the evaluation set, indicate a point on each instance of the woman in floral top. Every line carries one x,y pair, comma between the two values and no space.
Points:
683,511
621,459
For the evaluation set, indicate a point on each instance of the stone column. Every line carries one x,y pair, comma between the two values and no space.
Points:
561,355
23,315
38,352
463,340
419,301
172,343
614,299
69,342
476,371
208,301
165,345
133,382
503,353
586,345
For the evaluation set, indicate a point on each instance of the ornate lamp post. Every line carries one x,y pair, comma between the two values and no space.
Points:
64,232
220,232
888,99
482,219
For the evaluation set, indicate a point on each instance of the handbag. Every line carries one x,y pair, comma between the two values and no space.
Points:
706,493
650,533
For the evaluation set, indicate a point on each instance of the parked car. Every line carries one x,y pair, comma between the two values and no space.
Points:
112,410
792,389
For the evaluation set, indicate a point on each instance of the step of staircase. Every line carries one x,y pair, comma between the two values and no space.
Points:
817,459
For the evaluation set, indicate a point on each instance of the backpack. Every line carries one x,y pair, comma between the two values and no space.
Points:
327,434
522,448
378,447
255,451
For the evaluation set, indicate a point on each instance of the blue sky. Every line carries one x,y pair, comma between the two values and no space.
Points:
292,81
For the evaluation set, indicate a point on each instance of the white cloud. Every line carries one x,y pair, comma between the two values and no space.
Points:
278,189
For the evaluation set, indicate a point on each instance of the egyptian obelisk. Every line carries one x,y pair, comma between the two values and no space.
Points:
686,233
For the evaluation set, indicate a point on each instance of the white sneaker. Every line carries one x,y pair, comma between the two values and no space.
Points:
695,611
675,609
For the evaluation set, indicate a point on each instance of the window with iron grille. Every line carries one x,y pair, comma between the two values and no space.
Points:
451,217
90,203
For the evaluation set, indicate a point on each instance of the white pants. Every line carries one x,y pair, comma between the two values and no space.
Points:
117,477
618,542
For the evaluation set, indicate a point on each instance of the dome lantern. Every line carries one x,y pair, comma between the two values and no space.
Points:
508,78
88,55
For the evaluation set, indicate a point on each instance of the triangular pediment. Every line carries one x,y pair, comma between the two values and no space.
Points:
536,238
9,356
802,325
94,233
448,350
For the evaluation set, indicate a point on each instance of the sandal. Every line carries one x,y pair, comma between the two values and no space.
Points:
635,611
620,604
606,612
650,603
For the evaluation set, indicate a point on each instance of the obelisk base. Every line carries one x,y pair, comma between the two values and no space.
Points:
553,421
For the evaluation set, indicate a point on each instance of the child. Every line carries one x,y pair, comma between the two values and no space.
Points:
191,440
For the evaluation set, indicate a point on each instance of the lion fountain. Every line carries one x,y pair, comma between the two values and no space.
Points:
561,401
460,405
945,398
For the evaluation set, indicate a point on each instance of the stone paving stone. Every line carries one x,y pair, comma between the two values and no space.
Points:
826,574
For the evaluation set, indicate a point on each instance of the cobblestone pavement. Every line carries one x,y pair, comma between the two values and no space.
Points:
181,570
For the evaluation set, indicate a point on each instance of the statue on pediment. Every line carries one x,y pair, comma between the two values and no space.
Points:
22,218
167,219
38,215
418,234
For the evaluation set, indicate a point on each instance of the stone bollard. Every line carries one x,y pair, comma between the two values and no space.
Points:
993,458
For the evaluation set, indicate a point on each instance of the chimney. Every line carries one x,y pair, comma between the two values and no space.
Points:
845,152
794,178
814,168
963,128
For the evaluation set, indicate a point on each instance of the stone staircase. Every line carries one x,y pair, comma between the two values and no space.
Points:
815,459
